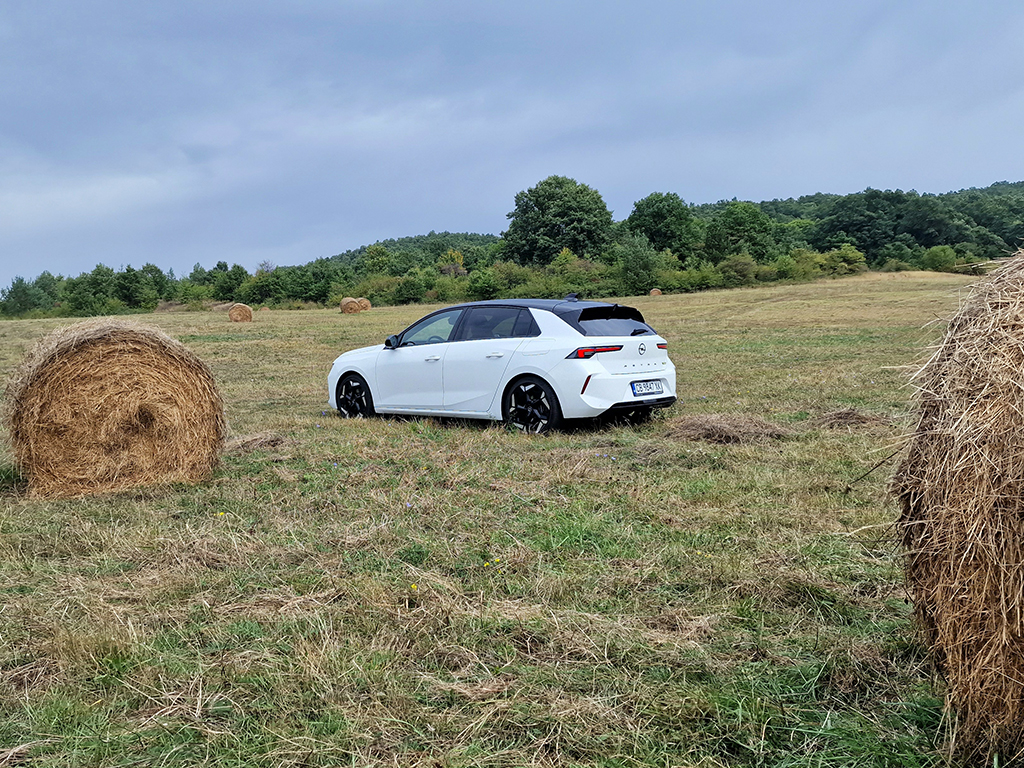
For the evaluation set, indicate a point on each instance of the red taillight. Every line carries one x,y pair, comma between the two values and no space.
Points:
663,346
585,353
585,383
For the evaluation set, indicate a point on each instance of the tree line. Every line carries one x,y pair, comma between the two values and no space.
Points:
561,238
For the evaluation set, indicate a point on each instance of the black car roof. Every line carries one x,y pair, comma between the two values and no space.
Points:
560,307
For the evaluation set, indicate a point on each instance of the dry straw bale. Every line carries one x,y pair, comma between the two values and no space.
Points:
107,405
350,306
264,309
364,304
655,292
960,488
725,428
240,313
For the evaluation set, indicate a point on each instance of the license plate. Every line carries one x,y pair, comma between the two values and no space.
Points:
641,388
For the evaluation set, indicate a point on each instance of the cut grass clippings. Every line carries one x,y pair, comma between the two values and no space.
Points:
420,592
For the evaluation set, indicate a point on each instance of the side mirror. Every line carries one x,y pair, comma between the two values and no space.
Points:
391,342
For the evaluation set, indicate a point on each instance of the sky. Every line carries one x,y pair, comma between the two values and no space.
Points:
187,132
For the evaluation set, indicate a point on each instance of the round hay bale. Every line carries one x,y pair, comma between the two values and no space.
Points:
107,405
364,304
240,313
264,309
655,291
350,306
960,489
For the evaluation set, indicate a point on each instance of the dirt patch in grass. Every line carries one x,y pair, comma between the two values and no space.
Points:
726,428
237,446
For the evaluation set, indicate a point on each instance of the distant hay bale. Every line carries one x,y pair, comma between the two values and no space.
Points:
107,405
724,428
960,488
240,313
364,304
264,309
655,292
350,306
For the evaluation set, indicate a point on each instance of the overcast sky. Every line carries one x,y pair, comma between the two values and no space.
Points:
183,132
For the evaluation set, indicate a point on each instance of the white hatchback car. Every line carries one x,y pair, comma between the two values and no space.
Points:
528,362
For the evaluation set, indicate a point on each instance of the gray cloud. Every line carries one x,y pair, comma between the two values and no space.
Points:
186,132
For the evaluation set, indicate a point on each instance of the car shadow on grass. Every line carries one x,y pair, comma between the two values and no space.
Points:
569,426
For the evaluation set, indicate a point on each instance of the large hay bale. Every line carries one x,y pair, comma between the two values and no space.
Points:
350,306
364,304
107,405
240,313
655,292
960,489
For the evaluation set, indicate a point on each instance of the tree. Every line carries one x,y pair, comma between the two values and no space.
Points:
22,297
637,261
557,213
741,228
667,222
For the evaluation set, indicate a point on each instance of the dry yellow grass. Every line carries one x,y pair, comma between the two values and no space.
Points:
599,597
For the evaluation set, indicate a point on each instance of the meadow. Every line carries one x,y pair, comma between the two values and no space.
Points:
427,593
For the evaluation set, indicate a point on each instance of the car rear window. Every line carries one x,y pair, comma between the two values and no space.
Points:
612,321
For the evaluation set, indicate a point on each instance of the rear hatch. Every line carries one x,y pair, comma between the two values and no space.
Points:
643,351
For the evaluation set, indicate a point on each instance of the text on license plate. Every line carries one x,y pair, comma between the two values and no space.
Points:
641,388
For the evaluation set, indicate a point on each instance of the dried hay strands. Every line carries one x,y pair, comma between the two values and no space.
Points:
725,428
960,488
350,306
364,304
240,313
107,405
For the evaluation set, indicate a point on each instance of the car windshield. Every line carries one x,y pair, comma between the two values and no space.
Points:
612,321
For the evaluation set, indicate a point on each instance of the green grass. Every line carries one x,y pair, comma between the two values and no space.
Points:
600,597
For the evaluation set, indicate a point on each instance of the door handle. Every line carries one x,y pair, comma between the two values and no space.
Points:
496,354
432,358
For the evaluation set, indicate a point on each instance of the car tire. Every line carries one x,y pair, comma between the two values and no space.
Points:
530,405
353,397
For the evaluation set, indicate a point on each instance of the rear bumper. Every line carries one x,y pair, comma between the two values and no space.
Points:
632,405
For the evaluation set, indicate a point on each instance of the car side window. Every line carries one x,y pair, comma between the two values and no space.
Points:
490,323
435,329
526,325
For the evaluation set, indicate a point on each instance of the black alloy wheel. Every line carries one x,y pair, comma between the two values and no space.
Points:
354,398
531,406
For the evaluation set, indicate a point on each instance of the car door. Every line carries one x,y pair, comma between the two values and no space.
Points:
410,376
475,363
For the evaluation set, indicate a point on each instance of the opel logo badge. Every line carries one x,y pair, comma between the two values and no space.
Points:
642,348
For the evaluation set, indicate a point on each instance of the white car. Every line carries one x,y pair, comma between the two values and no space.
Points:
528,362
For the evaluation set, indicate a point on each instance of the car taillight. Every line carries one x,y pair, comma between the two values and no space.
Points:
585,353
663,346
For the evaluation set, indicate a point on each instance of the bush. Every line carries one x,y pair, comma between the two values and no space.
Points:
738,270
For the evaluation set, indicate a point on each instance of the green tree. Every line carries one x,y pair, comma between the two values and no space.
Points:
375,260
227,281
741,227
668,223
22,297
557,213
636,261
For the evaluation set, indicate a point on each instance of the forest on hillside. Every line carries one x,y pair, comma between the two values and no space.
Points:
561,238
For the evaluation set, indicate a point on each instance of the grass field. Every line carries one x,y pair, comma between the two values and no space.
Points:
406,592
